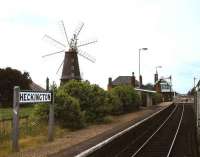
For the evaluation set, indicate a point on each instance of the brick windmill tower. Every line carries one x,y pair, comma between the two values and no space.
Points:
71,70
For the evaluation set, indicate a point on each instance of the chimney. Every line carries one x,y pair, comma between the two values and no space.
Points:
140,81
109,83
133,79
155,78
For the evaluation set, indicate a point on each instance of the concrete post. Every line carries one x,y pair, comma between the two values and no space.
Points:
15,127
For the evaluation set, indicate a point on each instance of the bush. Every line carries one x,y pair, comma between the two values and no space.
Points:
114,103
107,119
92,99
78,103
40,112
97,106
68,112
156,98
128,98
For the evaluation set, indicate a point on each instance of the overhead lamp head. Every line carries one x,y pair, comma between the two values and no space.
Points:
159,66
144,48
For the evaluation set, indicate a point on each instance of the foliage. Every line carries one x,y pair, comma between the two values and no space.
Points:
191,92
128,97
92,99
114,103
40,112
107,119
156,98
148,86
78,103
10,78
68,112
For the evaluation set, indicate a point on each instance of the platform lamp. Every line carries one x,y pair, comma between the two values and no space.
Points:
143,49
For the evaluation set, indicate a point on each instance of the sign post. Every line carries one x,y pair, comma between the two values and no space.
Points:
15,135
51,118
25,97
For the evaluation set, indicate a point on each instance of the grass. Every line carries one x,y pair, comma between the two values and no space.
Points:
31,142
6,113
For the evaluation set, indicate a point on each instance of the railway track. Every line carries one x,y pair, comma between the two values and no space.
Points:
160,143
154,137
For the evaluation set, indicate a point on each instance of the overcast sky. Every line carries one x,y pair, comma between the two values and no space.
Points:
170,29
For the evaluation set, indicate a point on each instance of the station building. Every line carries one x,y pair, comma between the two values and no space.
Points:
123,80
163,86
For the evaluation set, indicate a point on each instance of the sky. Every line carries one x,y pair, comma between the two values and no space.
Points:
169,29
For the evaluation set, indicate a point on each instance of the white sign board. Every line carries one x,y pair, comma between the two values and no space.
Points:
165,87
34,97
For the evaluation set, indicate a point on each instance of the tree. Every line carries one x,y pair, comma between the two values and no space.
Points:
149,86
8,79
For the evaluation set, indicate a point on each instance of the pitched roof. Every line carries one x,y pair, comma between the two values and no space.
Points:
36,87
126,80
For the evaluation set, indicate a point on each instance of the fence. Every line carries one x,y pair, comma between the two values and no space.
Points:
28,127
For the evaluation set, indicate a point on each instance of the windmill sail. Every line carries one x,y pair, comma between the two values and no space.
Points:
62,26
87,56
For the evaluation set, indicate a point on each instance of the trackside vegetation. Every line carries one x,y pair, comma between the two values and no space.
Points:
79,103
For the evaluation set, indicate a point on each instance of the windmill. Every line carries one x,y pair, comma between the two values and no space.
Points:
70,63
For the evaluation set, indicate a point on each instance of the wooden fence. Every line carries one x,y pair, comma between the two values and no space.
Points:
6,127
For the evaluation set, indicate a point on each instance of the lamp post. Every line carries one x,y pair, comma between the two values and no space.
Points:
157,68
194,82
139,63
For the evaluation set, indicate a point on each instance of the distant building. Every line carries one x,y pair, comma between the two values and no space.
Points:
163,87
123,80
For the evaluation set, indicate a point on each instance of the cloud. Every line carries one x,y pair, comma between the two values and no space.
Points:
169,29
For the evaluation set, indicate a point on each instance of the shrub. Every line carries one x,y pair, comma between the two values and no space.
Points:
40,112
114,103
128,97
98,108
92,99
107,119
156,98
68,112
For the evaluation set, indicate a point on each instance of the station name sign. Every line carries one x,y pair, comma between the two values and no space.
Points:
34,97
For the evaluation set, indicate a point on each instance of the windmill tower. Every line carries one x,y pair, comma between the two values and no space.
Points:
71,70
